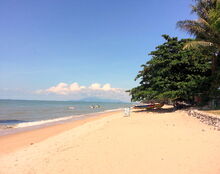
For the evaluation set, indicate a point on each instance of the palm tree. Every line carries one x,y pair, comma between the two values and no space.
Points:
206,28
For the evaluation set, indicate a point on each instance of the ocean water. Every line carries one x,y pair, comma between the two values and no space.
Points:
25,113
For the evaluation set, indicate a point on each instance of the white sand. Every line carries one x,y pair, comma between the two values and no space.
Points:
154,143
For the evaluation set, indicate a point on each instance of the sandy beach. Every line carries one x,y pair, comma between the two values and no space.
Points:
154,143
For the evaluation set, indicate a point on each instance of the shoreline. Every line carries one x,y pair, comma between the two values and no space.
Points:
145,142
32,125
18,139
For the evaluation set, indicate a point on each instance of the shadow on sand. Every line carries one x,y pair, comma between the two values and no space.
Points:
161,110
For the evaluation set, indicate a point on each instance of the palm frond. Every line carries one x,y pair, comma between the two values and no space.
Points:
204,22
206,28
201,12
196,44
200,28
202,7
192,27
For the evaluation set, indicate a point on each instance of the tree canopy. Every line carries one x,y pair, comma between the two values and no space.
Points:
173,73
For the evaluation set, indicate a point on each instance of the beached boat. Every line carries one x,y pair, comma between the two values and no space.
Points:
149,106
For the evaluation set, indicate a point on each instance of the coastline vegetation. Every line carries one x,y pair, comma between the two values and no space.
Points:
187,69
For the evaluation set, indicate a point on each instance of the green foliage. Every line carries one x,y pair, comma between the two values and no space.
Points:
206,28
173,73
214,16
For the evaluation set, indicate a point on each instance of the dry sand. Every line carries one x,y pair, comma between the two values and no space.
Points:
154,143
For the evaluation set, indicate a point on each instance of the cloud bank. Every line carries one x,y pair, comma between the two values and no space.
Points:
76,91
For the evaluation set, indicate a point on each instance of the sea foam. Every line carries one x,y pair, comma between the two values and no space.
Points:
42,122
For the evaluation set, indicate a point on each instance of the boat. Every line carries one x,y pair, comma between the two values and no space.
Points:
94,106
71,108
145,106
149,106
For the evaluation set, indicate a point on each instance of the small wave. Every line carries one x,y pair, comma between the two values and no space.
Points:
11,122
42,122
35,123
112,110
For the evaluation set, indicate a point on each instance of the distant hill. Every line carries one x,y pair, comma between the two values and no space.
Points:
96,99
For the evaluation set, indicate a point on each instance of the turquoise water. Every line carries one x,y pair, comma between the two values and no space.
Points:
29,112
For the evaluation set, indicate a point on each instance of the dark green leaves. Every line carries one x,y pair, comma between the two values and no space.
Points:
173,73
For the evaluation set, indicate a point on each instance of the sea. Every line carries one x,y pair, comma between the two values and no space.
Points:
21,115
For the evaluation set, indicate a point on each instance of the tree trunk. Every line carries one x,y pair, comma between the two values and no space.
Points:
214,64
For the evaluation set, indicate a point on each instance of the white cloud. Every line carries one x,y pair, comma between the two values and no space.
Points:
75,90
105,87
63,89
76,87
95,86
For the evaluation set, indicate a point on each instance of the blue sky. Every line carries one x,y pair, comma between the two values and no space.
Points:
47,42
